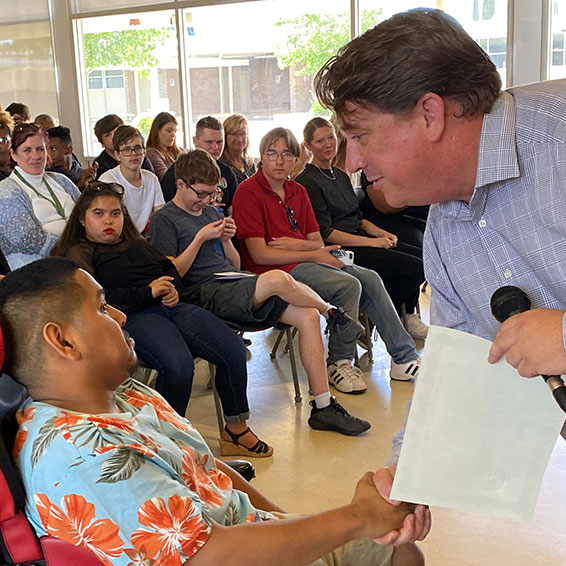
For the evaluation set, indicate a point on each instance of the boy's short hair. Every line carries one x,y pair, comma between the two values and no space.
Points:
107,124
124,134
62,133
197,166
209,122
30,297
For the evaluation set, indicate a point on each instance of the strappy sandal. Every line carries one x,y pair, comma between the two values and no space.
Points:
259,450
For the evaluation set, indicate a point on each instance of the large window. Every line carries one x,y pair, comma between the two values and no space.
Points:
557,49
27,70
129,65
254,57
263,67
484,20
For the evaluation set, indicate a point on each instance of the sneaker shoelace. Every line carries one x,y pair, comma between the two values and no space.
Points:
349,371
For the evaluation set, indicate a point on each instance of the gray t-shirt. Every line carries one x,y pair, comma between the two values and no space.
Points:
172,229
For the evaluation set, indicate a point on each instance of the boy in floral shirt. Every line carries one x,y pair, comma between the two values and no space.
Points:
110,467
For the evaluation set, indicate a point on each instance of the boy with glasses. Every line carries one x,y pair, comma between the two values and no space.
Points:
104,131
197,239
142,190
277,229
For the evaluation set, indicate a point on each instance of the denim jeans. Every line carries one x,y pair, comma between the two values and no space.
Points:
167,339
352,287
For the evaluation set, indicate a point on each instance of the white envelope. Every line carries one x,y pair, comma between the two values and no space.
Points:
479,436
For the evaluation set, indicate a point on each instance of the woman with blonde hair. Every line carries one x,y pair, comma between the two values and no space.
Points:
162,149
235,152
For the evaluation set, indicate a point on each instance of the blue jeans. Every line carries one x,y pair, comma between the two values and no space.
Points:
352,287
167,339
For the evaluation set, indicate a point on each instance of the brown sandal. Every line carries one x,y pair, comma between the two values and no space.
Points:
259,450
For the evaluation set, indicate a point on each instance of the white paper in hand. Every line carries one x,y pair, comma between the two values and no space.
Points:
478,436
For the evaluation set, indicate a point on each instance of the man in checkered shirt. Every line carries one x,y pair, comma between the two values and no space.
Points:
424,116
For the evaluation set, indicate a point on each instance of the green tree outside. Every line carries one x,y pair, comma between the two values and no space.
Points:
313,38
129,48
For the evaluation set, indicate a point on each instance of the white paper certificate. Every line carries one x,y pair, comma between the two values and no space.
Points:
479,436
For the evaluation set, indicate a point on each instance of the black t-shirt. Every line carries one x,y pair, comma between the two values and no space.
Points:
125,271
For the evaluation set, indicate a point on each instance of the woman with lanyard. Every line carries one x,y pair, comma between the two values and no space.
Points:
34,205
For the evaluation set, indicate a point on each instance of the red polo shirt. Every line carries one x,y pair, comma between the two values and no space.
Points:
260,213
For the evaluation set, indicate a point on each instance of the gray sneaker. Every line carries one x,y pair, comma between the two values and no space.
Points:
345,327
335,417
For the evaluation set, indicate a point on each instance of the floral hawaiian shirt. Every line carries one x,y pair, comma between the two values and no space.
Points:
135,488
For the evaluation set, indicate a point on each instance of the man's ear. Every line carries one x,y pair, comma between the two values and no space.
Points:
180,184
61,341
432,109
69,150
194,141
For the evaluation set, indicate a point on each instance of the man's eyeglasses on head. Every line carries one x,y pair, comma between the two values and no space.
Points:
203,195
127,151
272,155
293,222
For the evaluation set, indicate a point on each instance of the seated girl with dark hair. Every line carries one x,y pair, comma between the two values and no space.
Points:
101,237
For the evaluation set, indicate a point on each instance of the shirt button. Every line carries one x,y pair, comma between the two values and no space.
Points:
482,223
507,274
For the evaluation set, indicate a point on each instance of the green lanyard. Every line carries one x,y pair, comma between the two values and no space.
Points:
55,202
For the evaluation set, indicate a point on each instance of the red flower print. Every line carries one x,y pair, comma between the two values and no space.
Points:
172,525
74,524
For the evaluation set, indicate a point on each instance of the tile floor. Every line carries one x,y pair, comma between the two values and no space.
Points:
314,470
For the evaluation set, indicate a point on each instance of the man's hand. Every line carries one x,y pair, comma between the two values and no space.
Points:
416,525
380,518
162,286
87,175
323,255
532,342
212,230
229,230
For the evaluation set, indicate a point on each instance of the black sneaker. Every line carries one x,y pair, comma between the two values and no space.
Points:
335,417
345,327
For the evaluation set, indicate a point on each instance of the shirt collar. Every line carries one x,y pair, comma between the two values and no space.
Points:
264,184
497,159
497,150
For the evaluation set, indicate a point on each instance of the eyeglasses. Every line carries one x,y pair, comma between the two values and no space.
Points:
203,195
5,141
127,151
238,134
272,155
293,222
100,187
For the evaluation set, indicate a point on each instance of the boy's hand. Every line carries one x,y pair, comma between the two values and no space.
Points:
416,525
229,229
212,230
379,517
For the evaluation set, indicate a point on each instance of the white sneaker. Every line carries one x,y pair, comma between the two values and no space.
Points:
405,372
346,377
416,327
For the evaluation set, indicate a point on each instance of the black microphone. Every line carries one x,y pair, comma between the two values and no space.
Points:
508,301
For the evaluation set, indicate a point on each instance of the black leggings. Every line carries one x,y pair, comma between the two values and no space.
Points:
401,269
